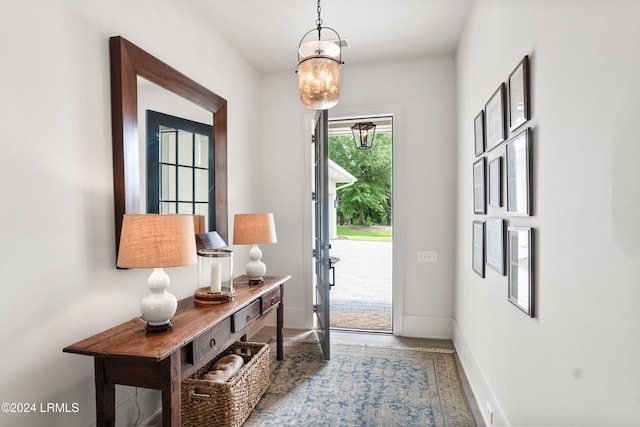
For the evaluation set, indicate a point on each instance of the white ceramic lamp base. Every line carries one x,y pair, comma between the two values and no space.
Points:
159,306
255,267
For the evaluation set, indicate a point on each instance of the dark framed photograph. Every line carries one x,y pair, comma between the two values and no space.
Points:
478,129
494,113
495,242
518,88
478,248
520,268
519,174
479,183
494,186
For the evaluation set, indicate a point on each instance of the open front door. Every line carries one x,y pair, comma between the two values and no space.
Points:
321,233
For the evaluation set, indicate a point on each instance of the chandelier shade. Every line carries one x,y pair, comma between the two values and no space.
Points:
319,63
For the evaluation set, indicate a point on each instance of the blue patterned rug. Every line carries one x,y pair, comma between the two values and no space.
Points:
362,386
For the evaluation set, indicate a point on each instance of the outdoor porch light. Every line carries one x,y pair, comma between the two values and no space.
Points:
318,70
363,134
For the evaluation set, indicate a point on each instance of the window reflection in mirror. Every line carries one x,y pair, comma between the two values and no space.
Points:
180,166
188,184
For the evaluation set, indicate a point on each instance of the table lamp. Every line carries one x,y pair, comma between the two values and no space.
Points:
254,229
157,241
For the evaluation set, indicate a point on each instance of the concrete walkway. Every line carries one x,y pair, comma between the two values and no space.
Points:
363,277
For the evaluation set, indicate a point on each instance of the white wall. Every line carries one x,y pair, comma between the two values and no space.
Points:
576,362
57,254
424,89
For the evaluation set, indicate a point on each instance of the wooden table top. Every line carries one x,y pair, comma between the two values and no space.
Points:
131,340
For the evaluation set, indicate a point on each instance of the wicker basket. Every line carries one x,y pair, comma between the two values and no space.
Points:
207,403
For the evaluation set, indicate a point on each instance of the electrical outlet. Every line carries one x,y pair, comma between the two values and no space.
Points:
489,414
427,256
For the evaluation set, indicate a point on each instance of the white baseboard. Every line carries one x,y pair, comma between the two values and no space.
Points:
426,327
482,392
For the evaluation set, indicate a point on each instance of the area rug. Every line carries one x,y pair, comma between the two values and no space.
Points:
363,385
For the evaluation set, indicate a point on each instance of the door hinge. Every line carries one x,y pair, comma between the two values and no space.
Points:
313,195
313,139
314,253
315,308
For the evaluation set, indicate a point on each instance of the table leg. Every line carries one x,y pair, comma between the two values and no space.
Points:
280,326
105,397
171,397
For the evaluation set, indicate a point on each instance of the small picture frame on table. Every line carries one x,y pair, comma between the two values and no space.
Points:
519,174
494,186
520,268
518,88
494,240
479,184
478,248
494,113
478,129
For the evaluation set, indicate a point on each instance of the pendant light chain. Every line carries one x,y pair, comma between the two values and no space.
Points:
319,20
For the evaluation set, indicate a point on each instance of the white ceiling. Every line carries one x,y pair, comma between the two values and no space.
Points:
267,32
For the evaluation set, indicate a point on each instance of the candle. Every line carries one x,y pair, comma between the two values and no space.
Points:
216,278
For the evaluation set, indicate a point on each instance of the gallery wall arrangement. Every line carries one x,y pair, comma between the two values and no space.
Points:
503,152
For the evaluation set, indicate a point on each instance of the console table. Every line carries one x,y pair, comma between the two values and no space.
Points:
128,355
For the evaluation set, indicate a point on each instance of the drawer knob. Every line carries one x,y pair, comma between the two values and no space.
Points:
273,300
212,342
248,318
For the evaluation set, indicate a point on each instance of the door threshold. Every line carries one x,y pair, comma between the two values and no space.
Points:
361,330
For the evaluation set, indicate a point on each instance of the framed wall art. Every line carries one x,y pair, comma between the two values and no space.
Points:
478,248
495,128
520,268
494,186
494,241
479,183
478,129
518,94
519,174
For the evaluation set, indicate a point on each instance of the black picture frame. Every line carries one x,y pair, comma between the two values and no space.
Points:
494,113
494,183
518,94
478,129
478,249
479,186
520,269
518,171
495,243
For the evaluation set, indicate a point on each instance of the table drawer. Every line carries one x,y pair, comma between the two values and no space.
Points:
242,318
272,299
213,339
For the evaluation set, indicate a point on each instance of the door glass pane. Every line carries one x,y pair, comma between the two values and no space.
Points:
167,182
202,185
185,208
201,151
167,145
167,208
185,184
185,148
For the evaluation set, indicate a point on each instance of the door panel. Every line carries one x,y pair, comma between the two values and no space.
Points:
321,233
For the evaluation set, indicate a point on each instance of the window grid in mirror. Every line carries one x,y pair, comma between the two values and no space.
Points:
179,166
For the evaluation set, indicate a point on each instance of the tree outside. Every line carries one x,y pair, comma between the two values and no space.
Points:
368,201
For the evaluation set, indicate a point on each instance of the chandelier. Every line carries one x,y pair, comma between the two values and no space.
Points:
318,69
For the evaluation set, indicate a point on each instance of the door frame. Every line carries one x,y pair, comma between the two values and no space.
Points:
394,110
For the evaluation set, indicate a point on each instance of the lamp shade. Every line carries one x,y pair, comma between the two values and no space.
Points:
250,229
157,241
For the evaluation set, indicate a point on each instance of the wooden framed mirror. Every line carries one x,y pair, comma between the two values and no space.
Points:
128,63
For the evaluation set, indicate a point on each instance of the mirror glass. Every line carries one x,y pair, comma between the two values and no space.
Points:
174,176
141,82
